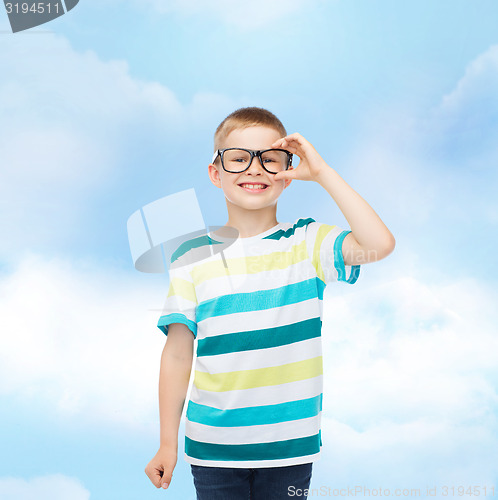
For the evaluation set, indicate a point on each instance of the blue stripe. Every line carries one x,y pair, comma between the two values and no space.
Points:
254,415
260,299
166,320
259,339
339,261
275,450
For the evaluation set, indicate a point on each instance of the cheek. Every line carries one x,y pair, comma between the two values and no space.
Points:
281,184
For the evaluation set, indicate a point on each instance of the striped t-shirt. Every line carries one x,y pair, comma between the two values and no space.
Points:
255,308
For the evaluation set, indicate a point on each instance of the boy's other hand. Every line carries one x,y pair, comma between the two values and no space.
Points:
311,164
160,468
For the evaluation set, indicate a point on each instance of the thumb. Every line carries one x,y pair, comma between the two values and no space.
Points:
165,480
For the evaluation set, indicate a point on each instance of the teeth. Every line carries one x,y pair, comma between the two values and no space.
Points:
253,186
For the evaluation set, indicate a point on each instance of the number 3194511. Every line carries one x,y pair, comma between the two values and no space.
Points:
33,7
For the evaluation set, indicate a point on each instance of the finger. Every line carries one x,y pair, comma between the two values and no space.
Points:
159,476
295,142
282,176
166,478
292,144
294,150
154,475
282,143
296,136
286,139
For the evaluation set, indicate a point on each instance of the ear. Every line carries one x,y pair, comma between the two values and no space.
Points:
214,175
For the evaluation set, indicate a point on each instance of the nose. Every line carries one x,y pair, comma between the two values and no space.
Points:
256,166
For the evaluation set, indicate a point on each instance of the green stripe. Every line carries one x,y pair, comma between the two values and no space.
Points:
281,233
274,450
259,339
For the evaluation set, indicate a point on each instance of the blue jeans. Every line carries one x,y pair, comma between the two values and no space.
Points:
268,483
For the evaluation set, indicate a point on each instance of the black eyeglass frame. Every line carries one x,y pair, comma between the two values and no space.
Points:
253,153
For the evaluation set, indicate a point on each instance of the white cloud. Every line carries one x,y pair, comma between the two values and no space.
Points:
476,91
81,341
410,365
64,113
438,164
411,383
414,454
50,487
465,123
402,359
68,120
411,346
411,386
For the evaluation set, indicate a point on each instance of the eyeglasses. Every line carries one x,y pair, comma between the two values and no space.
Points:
236,160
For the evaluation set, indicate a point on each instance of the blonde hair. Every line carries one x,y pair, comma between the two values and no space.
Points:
246,117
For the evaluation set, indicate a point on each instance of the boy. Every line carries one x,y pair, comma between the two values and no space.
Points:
253,419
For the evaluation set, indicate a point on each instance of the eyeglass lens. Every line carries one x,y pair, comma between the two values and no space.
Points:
237,160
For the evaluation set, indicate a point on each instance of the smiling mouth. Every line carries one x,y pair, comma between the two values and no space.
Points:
253,187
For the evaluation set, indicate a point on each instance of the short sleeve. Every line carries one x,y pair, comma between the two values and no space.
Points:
181,302
324,245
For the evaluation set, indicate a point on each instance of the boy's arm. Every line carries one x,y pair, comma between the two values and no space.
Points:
174,376
369,240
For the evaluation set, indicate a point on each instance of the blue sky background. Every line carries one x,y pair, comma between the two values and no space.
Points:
114,105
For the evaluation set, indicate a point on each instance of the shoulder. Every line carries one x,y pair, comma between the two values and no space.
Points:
301,225
304,222
289,231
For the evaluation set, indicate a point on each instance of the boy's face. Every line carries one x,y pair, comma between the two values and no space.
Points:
255,138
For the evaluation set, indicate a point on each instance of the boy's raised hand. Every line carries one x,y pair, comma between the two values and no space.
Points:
160,468
311,164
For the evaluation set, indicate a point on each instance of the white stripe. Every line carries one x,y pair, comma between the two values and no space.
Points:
259,396
254,463
260,358
253,433
177,304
